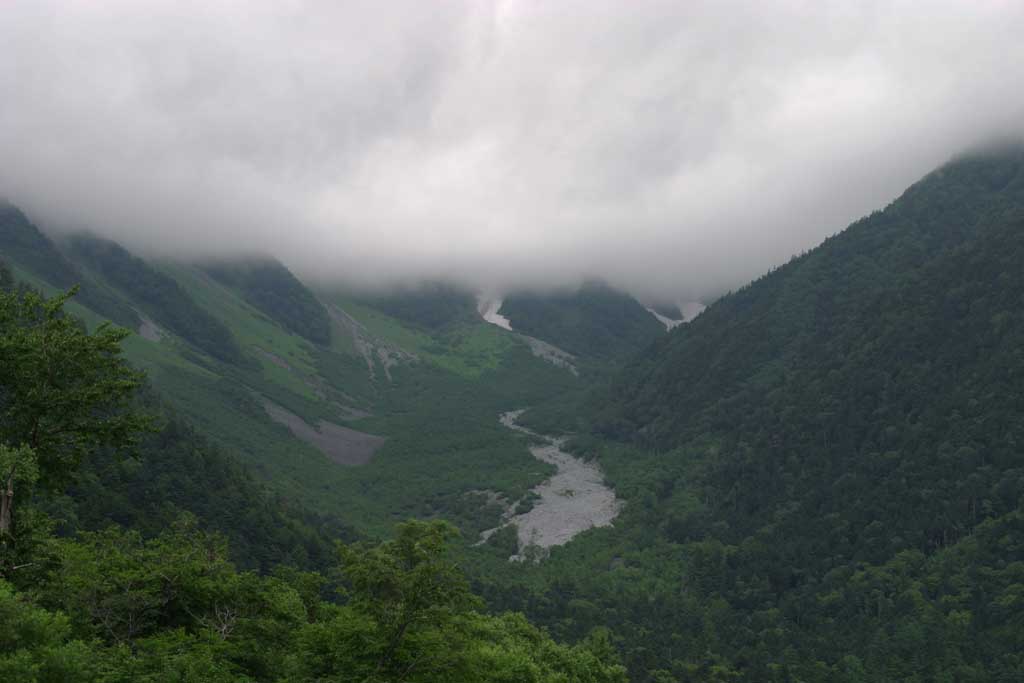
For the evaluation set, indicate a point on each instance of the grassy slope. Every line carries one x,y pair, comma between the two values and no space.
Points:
467,349
440,413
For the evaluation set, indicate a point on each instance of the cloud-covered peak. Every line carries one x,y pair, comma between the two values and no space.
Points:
669,148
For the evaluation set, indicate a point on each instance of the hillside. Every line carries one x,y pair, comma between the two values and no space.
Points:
822,473
430,306
271,288
371,419
828,461
155,293
594,321
22,243
827,302
141,581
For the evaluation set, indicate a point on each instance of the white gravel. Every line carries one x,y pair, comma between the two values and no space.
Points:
573,500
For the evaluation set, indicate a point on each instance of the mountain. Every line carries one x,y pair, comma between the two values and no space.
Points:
594,321
21,243
141,579
823,472
271,288
430,306
156,293
364,409
839,300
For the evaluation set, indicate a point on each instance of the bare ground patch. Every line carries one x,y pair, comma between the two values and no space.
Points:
573,500
342,445
149,330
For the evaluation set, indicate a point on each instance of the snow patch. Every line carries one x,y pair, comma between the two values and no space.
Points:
669,323
488,307
691,309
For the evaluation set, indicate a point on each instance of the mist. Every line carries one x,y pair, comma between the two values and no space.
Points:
672,149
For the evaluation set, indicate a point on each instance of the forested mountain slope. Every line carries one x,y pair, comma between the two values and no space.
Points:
429,306
22,243
807,315
156,293
834,455
330,400
886,364
594,321
160,600
270,287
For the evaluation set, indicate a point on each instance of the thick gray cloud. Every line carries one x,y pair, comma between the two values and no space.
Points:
673,148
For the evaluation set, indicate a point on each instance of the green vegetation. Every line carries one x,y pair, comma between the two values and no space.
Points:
113,605
439,414
22,243
158,295
446,443
465,345
594,321
177,470
271,288
823,472
429,306
63,394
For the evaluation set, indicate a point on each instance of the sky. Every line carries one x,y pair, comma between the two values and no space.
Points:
674,149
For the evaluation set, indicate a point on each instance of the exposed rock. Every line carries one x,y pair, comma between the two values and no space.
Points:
551,353
341,444
373,349
149,330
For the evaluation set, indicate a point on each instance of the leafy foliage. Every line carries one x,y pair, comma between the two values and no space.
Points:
63,391
113,606
179,470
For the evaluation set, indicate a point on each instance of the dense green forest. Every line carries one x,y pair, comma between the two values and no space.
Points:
431,305
823,472
594,321
272,289
177,470
120,605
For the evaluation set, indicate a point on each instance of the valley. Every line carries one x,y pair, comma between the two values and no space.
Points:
811,473
571,501
493,341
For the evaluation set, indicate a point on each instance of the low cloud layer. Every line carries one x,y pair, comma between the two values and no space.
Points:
672,148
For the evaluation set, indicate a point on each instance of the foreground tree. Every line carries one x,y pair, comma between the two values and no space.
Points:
409,617
63,393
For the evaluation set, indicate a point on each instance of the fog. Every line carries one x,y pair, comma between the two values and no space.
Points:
674,149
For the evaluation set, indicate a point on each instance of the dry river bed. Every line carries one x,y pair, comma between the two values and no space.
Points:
573,500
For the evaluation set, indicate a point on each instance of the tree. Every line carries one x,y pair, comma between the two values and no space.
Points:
19,466
411,618
408,588
63,393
